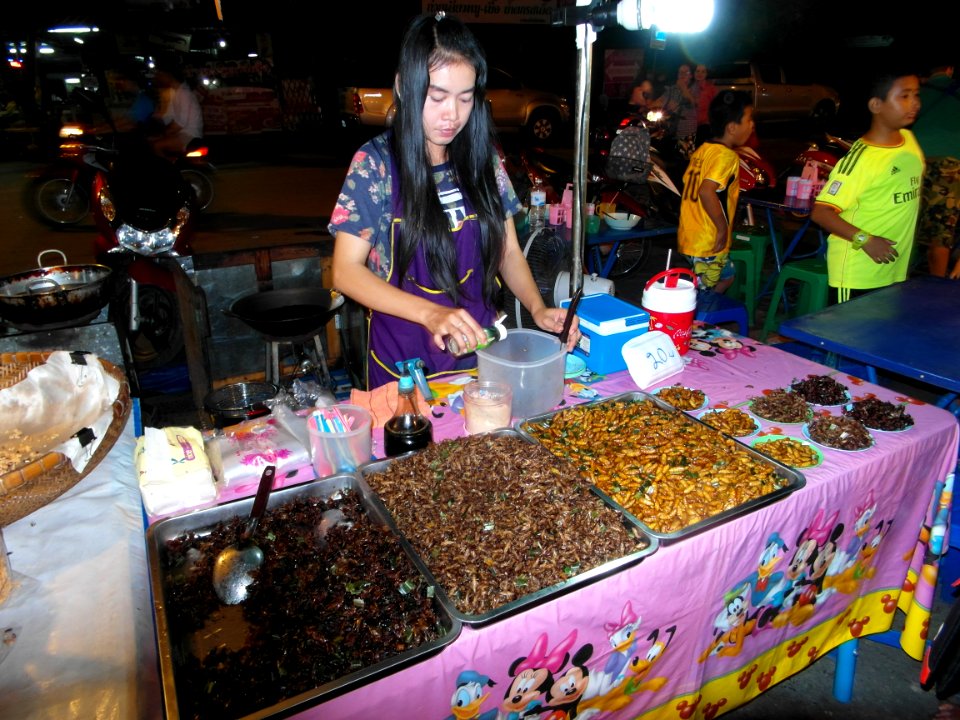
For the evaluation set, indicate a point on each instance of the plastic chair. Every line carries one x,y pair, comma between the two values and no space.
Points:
715,308
748,258
812,276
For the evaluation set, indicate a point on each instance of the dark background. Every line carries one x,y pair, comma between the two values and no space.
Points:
339,44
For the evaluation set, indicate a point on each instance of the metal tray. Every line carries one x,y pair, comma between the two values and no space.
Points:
169,529
636,528
793,479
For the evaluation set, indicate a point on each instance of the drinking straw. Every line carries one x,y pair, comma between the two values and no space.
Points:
669,253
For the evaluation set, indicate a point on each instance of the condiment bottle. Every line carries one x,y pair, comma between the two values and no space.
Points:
408,429
494,333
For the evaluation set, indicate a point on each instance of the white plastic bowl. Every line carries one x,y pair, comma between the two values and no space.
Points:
621,221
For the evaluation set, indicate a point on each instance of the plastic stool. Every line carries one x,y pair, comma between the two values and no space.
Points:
715,308
746,284
812,276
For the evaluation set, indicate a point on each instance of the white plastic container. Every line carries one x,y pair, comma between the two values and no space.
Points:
532,363
671,301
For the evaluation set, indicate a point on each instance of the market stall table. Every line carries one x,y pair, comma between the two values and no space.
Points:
910,328
699,627
775,207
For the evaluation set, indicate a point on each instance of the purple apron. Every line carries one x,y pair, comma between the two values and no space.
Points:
392,339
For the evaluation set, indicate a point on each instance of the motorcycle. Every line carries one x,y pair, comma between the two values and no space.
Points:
60,195
144,211
822,154
628,168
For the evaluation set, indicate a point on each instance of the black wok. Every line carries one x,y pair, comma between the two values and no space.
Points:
56,296
287,314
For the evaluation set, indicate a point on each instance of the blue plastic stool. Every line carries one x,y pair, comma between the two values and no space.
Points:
715,308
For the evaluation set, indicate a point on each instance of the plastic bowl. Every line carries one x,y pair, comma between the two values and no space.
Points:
532,363
621,221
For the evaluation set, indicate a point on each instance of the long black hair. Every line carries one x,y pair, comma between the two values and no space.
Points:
433,41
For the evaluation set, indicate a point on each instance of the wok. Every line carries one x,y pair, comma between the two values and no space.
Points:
287,314
52,297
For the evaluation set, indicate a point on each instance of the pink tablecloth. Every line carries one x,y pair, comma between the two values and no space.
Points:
709,622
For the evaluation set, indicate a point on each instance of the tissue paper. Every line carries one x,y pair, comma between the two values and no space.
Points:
173,470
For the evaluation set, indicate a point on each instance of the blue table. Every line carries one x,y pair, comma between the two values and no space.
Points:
910,328
646,230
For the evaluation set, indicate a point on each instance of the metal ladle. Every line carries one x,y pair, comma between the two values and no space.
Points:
232,568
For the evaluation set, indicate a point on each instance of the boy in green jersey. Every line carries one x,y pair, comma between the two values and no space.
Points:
870,202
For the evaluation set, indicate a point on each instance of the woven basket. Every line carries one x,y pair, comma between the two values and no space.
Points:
33,485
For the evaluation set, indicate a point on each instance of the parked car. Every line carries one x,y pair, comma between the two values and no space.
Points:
515,107
774,96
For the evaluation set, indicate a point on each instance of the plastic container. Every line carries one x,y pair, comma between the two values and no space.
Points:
333,452
606,324
486,406
671,301
532,364
537,214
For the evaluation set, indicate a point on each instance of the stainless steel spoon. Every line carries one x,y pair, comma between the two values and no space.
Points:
232,568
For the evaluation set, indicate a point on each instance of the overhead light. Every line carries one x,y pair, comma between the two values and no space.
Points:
46,50
75,29
673,16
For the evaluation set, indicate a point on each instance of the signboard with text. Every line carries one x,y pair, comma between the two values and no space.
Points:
525,12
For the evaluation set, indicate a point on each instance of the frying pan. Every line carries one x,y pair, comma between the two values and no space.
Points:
289,313
54,296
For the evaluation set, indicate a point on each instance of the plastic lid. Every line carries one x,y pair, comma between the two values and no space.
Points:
500,327
406,383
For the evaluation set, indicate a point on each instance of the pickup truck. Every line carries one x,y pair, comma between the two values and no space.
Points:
542,115
774,98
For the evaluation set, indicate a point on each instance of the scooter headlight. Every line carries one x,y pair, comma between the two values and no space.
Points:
147,243
107,207
157,242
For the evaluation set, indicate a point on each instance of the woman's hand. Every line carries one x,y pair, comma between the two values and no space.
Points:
551,320
441,321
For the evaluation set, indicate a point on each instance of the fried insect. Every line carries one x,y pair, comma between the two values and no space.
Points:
731,421
682,398
790,452
668,470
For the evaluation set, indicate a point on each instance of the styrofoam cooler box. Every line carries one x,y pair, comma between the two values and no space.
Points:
606,323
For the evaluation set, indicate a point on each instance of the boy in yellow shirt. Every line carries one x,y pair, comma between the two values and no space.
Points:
870,203
711,190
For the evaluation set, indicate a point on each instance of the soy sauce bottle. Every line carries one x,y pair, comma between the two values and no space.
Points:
408,429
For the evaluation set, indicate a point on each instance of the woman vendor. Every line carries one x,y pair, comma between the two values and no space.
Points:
423,226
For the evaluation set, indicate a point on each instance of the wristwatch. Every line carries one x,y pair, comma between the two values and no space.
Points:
859,239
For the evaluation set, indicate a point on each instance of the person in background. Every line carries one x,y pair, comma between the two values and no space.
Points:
870,202
937,129
179,111
641,96
706,91
136,105
679,101
423,225
703,236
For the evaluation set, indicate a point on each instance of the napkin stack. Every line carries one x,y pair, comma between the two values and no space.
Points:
173,470
239,453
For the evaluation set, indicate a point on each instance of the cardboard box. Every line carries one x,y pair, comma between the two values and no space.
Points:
606,323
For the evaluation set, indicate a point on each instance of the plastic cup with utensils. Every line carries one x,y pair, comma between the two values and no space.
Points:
340,438
487,406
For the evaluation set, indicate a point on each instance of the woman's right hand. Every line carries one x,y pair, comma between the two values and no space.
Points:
442,321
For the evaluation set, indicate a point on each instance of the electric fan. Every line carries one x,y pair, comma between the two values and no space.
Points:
549,257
